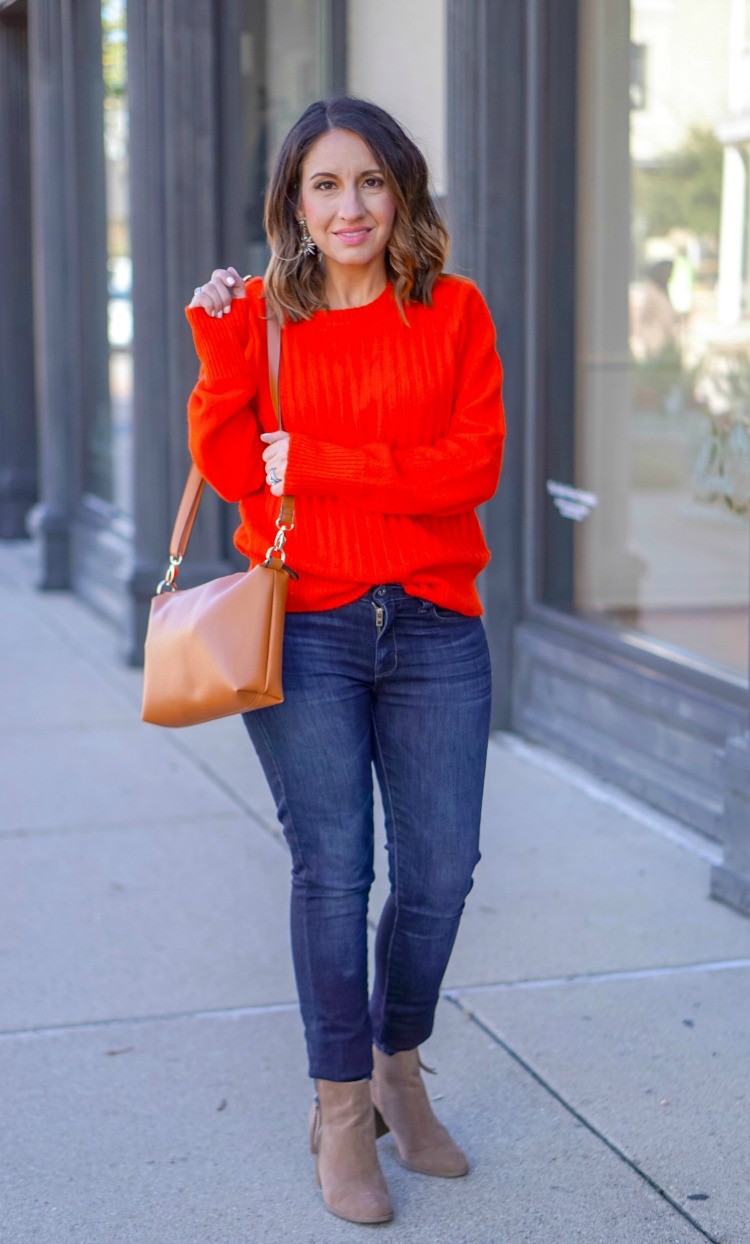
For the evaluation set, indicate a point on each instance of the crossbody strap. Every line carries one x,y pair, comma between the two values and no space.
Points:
273,338
193,490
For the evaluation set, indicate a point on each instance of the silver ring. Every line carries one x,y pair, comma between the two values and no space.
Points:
273,477
197,290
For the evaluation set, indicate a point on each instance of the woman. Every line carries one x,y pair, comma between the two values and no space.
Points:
393,434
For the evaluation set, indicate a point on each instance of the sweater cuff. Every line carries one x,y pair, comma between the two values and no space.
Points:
220,341
319,466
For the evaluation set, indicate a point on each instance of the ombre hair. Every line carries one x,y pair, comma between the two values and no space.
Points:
419,243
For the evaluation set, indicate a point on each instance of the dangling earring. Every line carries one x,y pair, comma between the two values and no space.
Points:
306,244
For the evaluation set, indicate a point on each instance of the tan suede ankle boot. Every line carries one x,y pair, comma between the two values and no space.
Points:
403,1107
342,1135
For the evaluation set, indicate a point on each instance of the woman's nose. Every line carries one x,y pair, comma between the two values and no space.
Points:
350,207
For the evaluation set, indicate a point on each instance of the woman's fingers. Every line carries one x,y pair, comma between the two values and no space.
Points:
217,294
208,297
275,456
238,289
277,448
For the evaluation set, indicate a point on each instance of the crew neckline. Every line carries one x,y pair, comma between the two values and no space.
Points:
365,306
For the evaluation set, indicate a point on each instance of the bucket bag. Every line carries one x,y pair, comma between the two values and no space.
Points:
216,649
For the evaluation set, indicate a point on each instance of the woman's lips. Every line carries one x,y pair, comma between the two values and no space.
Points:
352,236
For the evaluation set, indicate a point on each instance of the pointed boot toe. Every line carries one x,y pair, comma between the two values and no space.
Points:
446,1160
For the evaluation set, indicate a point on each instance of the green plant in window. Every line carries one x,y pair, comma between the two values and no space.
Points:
682,190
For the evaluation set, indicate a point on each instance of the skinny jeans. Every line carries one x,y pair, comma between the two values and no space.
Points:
398,683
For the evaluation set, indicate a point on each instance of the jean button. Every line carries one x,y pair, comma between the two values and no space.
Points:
380,591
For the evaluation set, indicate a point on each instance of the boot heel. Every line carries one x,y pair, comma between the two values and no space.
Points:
315,1126
381,1127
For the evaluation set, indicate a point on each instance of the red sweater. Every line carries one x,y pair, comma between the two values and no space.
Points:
396,435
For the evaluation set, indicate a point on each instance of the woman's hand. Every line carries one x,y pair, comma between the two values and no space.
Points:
275,456
216,295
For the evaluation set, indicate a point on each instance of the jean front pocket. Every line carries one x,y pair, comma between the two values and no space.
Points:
439,611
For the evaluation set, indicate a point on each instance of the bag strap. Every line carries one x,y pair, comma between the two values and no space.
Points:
273,339
193,490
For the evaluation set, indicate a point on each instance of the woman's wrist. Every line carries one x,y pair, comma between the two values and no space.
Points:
319,466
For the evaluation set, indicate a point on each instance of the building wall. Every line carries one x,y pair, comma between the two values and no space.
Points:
396,56
492,93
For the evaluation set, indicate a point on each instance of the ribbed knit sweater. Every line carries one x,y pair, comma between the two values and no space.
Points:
396,435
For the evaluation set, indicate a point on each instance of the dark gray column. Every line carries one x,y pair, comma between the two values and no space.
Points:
338,15
18,474
54,282
486,193
176,125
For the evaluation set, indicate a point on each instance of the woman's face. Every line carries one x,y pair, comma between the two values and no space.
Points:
345,201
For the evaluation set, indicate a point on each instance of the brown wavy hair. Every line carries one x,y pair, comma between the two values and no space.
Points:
418,247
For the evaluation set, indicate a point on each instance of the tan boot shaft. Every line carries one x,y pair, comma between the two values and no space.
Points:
342,1134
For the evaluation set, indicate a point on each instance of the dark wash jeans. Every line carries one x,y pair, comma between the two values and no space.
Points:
409,689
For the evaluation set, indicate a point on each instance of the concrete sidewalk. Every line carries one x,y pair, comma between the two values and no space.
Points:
592,1044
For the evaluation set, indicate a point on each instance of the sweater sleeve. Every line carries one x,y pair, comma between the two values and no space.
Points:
223,430
456,473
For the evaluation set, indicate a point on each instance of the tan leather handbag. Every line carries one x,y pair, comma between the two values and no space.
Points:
216,649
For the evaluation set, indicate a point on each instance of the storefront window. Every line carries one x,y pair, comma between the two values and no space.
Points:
661,503
108,472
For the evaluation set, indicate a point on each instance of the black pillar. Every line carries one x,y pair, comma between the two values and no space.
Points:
177,133
18,474
486,194
68,217
55,286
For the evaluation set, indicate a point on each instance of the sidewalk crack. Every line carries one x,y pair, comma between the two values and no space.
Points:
596,978
89,1025
614,1148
